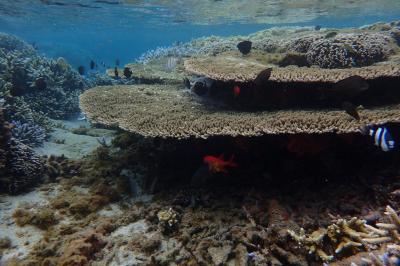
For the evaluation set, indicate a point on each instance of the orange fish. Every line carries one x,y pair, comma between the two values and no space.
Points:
218,164
236,90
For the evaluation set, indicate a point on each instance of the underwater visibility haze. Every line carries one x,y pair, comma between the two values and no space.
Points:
214,132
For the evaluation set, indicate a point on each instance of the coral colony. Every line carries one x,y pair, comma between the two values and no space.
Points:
276,148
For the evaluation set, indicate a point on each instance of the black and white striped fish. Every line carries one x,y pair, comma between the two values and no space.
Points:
382,137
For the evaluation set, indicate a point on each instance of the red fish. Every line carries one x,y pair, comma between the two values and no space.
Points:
236,90
218,164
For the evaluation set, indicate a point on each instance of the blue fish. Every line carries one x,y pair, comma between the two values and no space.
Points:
381,136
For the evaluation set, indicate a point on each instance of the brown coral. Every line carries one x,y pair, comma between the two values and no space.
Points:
226,68
385,232
342,236
164,111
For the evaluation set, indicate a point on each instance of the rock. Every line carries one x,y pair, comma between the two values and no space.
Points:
219,255
151,244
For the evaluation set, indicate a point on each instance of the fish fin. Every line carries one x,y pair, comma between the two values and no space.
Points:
186,83
263,77
364,130
351,110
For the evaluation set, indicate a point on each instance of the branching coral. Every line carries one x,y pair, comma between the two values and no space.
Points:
20,168
168,220
340,237
48,86
28,134
385,232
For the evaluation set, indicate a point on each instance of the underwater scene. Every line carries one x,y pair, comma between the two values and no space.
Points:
212,132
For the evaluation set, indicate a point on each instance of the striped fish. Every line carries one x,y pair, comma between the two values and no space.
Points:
171,64
382,137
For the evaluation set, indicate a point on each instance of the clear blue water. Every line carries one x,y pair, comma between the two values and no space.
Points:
79,30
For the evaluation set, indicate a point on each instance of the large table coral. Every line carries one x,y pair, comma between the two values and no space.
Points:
165,111
228,68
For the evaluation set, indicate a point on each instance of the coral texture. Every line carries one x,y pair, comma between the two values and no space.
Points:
164,111
44,85
20,168
328,244
350,50
27,133
243,70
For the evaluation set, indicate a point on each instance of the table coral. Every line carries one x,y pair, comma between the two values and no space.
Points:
164,111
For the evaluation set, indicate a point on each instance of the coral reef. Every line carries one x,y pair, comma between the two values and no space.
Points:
350,50
328,244
168,220
152,72
134,109
227,68
28,134
45,86
23,168
20,168
385,232
346,48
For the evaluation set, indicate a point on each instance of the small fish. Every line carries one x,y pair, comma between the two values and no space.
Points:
117,62
92,64
41,83
186,83
81,117
381,136
116,74
127,72
244,47
317,28
351,109
171,64
218,164
202,86
103,64
81,70
350,87
236,90
263,77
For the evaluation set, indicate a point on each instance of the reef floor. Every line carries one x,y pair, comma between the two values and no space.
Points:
88,221
74,139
